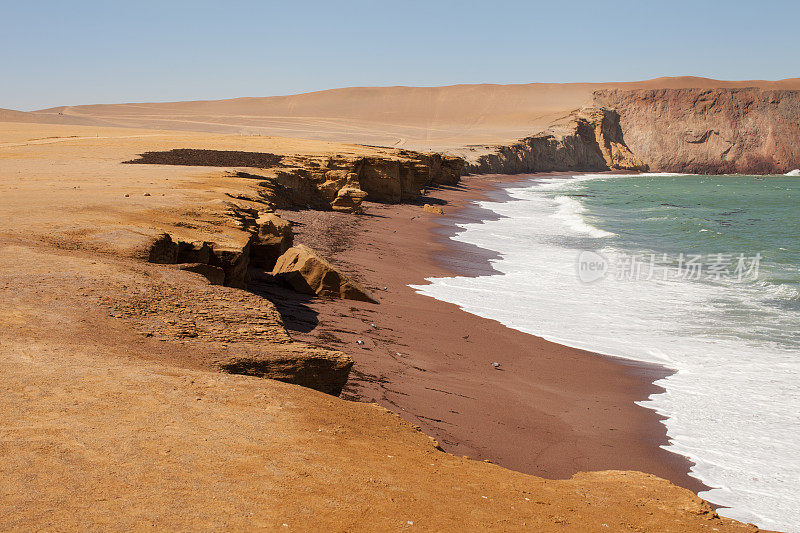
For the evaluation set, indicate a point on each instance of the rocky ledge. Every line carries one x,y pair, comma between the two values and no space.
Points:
339,181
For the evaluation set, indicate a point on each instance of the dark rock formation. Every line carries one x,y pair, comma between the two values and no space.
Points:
208,158
233,262
229,261
194,252
714,131
162,249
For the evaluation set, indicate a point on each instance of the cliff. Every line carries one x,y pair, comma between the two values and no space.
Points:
338,182
713,131
589,139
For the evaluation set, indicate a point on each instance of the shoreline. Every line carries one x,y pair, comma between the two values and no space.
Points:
550,411
120,404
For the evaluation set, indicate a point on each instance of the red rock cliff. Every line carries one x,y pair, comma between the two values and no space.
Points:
714,131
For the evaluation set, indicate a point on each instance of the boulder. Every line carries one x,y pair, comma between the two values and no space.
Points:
270,224
435,209
348,199
273,238
305,271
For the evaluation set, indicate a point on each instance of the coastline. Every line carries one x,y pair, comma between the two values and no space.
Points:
120,407
550,410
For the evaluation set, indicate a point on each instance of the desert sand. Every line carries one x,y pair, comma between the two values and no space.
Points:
420,118
116,412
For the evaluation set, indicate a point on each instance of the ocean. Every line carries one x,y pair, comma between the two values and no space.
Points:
700,274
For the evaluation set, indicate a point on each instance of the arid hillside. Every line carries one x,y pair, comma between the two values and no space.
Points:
414,117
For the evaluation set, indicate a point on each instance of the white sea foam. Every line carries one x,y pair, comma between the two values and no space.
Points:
795,172
746,450
570,212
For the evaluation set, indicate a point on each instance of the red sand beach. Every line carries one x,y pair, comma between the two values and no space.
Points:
550,410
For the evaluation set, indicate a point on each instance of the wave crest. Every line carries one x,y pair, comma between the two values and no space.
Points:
570,211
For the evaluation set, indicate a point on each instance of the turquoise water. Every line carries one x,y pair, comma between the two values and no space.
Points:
700,274
709,215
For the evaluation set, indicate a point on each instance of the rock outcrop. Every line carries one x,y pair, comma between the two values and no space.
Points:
214,327
226,264
221,264
337,182
589,139
342,182
194,252
402,179
713,131
273,238
309,366
161,249
306,272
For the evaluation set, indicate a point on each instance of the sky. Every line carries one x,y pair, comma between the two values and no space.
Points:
79,52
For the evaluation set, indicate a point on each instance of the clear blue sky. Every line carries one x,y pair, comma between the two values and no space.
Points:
76,52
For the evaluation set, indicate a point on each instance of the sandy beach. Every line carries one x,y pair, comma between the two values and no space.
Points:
549,410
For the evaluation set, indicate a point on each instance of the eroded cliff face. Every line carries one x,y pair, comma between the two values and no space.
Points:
343,182
339,182
713,131
588,139
261,182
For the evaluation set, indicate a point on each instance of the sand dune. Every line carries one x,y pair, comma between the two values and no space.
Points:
414,117
10,115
